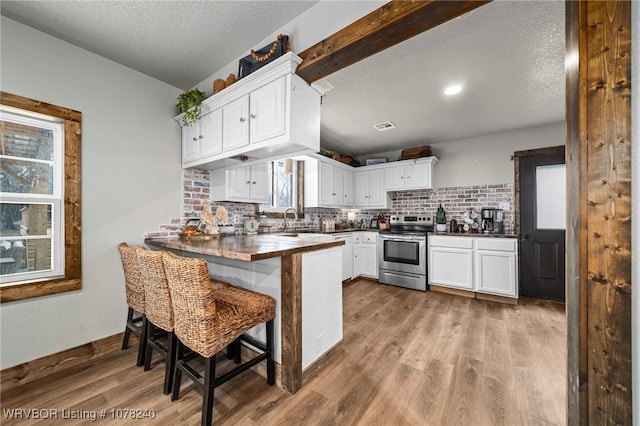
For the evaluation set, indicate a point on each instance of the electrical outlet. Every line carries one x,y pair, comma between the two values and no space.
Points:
319,343
236,219
505,206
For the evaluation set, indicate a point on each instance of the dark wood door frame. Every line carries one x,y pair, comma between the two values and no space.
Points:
598,143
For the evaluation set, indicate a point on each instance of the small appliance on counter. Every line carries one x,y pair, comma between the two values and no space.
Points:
492,221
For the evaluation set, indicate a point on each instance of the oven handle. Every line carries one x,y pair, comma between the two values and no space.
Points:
402,237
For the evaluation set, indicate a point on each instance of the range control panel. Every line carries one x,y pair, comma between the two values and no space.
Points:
411,220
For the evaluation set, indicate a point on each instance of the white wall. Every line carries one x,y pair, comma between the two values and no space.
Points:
131,182
485,160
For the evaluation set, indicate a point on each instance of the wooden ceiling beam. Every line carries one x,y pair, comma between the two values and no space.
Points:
386,26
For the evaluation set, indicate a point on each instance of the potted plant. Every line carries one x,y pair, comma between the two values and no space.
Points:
189,102
441,219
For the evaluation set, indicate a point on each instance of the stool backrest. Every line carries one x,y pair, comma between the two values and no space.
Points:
193,302
134,285
156,289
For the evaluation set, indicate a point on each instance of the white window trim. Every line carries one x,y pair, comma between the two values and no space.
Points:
55,199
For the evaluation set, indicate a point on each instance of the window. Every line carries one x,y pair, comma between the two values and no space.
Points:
31,186
283,186
40,205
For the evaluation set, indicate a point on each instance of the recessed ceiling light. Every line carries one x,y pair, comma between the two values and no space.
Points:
454,89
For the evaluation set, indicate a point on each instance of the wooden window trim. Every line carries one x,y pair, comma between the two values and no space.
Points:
72,279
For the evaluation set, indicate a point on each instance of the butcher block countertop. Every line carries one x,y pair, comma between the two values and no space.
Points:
248,248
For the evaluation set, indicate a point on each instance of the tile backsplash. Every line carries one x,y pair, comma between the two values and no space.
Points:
455,200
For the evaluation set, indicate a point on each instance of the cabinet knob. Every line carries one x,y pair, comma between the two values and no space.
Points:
254,183
333,193
195,139
253,116
201,137
401,177
248,182
242,119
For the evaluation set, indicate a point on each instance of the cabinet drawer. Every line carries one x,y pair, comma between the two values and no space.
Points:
357,237
370,237
498,244
453,242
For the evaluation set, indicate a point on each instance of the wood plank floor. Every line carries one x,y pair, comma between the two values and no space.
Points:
409,358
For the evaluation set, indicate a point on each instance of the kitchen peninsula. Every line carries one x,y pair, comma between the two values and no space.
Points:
303,275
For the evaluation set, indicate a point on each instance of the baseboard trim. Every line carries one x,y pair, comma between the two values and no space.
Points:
27,372
454,291
316,366
493,298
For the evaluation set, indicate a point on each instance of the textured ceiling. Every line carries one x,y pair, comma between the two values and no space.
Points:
178,42
508,55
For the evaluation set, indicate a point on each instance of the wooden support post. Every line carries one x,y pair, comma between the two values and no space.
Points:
599,249
291,318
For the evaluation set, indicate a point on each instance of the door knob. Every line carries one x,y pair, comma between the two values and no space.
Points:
526,237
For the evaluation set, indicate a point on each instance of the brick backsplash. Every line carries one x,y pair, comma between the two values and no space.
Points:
455,200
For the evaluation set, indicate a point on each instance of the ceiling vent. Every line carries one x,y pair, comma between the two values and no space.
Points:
387,125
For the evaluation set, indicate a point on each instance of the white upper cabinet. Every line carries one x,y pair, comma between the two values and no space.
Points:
247,184
270,114
235,124
203,139
327,183
369,188
266,111
410,174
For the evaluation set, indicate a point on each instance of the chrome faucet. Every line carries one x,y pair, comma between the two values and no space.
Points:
286,222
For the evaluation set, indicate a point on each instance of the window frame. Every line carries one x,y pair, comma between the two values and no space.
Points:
294,188
71,279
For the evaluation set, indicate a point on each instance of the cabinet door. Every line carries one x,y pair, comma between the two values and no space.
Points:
451,267
347,261
348,189
377,193
325,184
338,186
418,176
394,178
259,191
211,134
190,142
235,124
362,189
496,273
267,111
239,180
366,260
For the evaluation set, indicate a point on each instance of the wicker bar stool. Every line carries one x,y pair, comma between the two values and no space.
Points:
207,320
134,287
159,312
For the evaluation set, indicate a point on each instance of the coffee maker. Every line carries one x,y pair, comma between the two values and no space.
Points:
492,221
498,222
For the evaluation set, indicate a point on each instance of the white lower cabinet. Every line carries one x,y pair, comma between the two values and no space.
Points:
482,264
365,254
496,266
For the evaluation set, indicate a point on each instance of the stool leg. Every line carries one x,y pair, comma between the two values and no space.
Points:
177,373
271,379
151,329
127,330
170,363
207,392
237,351
143,342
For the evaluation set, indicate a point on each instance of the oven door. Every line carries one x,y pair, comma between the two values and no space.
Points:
403,253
